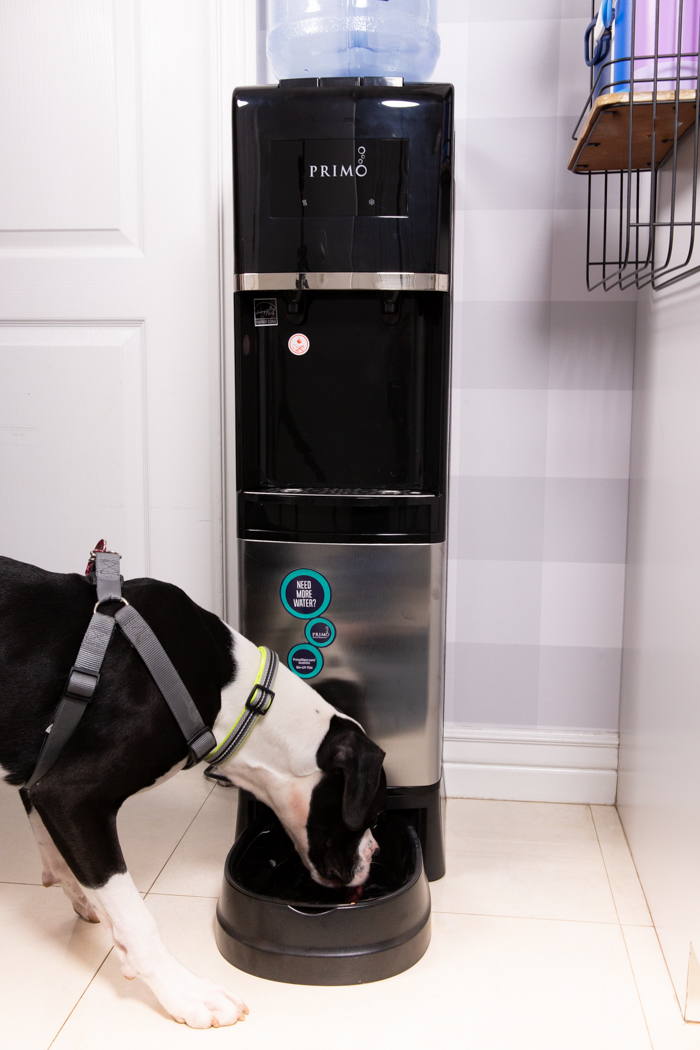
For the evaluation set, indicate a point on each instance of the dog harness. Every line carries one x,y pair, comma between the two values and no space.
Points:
85,674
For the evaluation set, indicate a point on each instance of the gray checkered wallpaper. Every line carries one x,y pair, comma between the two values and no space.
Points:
542,385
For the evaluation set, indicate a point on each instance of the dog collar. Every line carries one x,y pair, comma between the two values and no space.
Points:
258,704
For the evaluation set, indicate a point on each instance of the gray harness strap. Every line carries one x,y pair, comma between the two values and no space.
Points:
85,673
107,576
200,739
77,694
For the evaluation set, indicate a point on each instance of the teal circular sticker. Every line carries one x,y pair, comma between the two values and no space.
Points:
305,593
305,660
320,631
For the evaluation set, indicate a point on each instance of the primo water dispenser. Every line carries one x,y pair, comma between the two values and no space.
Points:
343,224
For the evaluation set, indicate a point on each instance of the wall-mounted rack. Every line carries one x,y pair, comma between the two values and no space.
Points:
637,141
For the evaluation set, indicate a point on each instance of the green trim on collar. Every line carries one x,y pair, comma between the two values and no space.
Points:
258,704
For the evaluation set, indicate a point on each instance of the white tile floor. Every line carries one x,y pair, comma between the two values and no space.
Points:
541,938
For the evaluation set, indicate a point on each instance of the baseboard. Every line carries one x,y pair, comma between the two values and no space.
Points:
530,765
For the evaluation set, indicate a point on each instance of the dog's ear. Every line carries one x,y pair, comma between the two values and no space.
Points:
347,749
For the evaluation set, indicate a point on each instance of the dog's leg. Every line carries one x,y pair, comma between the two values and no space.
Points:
190,999
57,873
85,835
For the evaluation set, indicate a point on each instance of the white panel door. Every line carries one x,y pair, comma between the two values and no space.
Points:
113,208
72,442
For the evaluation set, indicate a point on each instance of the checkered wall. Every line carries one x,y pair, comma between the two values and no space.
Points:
542,385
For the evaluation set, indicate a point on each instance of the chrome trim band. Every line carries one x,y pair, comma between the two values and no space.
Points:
332,282
273,496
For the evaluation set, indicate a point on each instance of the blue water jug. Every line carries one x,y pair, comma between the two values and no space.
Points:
607,43
353,38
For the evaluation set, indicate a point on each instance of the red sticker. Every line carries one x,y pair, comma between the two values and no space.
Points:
298,344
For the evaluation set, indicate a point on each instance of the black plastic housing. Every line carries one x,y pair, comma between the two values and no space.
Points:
358,519
348,442
422,807
345,442
344,111
320,936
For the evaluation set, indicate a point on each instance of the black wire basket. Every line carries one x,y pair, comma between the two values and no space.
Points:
637,141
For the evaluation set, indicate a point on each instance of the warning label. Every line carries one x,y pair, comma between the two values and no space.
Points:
298,344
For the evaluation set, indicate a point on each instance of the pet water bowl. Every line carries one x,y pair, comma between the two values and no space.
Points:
275,922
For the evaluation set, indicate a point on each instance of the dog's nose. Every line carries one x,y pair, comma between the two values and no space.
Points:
371,847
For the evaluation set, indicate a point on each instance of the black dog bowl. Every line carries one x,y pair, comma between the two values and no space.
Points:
274,921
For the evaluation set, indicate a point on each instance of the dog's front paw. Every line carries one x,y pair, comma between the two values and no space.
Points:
200,1003
211,1006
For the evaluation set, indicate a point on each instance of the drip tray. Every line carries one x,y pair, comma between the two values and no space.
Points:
275,922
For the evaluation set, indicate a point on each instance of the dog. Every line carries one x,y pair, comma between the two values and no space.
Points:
312,765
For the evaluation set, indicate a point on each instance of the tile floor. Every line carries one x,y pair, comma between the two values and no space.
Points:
541,938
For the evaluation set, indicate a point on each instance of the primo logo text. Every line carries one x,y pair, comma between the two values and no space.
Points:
345,169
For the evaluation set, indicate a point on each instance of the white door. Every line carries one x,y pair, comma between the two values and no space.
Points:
115,280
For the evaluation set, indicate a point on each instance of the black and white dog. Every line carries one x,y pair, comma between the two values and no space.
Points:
313,766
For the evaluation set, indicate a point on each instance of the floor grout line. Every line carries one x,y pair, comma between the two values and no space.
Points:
653,924
529,918
189,896
622,931
75,1005
170,855
605,866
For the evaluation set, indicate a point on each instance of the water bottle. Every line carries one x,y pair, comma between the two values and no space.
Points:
353,38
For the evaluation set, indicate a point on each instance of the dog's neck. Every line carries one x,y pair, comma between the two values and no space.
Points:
275,763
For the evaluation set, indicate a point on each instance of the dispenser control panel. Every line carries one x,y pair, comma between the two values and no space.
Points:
343,177
318,177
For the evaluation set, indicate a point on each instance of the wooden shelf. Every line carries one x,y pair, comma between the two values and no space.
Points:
603,144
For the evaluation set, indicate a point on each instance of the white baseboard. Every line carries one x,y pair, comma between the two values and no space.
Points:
530,765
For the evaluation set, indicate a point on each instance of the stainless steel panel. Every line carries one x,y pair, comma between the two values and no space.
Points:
385,667
354,281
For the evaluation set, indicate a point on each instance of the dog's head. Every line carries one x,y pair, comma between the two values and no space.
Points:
329,813
344,804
